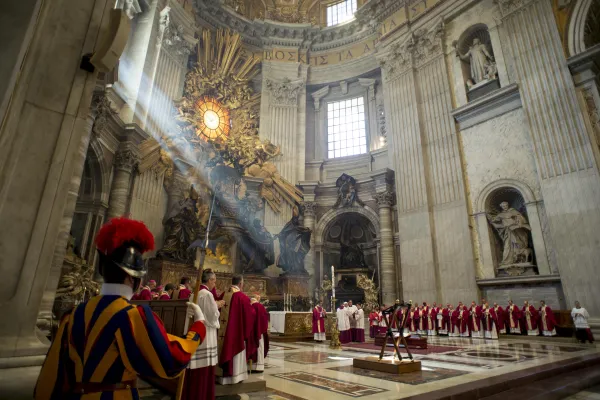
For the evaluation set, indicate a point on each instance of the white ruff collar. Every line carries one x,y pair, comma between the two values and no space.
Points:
112,289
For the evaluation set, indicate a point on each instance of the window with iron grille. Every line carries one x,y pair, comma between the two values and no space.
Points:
346,128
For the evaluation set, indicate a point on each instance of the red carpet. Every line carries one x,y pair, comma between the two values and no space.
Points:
371,348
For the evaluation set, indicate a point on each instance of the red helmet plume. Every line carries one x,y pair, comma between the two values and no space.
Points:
122,230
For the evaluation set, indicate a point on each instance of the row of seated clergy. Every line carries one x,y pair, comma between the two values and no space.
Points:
351,323
171,291
236,334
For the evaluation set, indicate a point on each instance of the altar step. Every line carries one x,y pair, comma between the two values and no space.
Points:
555,380
293,338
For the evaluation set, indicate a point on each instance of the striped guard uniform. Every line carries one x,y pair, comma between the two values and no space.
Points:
108,340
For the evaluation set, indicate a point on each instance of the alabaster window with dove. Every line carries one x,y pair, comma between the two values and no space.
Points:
214,120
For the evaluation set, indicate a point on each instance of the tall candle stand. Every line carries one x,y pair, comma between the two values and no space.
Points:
334,343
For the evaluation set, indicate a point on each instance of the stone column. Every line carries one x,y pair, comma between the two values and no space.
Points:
562,146
387,269
43,137
126,161
309,208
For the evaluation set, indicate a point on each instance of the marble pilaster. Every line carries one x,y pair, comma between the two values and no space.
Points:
40,160
283,108
563,147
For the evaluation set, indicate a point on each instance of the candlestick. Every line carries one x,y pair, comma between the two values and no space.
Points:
333,281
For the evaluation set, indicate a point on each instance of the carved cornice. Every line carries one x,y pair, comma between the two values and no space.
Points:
384,199
101,111
309,208
284,93
126,160
261,33
508,7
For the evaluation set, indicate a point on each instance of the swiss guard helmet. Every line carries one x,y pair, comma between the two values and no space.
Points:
121,243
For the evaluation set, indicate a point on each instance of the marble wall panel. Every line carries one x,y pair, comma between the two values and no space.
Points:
551,293
419,275
499,148
456,276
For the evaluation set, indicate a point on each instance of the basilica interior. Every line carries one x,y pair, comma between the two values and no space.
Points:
379,151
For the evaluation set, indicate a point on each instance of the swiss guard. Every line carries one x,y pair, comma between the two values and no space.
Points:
103,344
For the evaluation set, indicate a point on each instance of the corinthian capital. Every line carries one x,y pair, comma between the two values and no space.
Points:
428,44
126,160
309,208
384,199
509,6
398,60
285,92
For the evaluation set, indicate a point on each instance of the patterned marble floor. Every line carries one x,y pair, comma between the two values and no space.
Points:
297,371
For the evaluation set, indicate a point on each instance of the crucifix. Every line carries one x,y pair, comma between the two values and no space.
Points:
394,310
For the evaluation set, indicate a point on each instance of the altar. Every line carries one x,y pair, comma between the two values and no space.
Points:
294,324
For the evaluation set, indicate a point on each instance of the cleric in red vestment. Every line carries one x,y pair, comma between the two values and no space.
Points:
184,291
547,320
236,334
530,319
318,322
373,323
475,320
444,327
146,293
513,317
499,318
261,334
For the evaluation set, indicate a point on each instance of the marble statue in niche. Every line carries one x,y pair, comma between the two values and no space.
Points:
347,195
514,231
479,69
483,66
294,244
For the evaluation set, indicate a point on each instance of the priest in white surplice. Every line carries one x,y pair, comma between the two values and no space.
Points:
200,376
352,310
344,324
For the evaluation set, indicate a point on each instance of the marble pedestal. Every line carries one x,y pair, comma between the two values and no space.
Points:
387,365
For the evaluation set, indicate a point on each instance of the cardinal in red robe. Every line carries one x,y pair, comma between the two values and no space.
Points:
547,320
235,339
444,322
475,320
530,319
432,320
318,322
373,323
499,311
513,317
261,334
489,321
163,295
460,321
411,320
146,293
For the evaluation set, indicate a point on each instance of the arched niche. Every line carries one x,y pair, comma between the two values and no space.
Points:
523,208
349,241
478,65
584,26
327,219
92,202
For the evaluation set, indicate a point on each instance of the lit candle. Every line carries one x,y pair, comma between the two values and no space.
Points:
333,281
